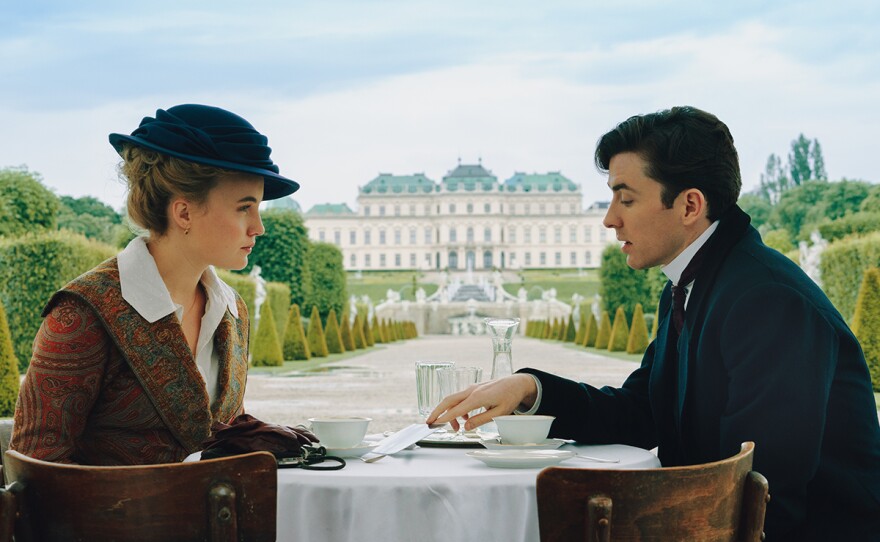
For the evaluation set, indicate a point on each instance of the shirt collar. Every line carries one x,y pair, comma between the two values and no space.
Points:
675,268
143,288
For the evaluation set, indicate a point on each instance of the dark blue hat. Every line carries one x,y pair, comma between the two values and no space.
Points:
210,136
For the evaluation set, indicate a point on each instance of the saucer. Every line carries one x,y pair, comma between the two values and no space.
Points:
357,451
521,459
547,444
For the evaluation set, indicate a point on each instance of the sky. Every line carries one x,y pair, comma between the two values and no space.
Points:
346,90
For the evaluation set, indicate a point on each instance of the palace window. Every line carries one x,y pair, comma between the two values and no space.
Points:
557,209
588,260
381,237
542,209
381,260
588,234
412,259
528,209
470,208
487,235
367,260
397,236
557,234
542,234
527,234
367,237
353,261
381,210
352,237
572,208
572,234
337,237
412,236
366,210
397,210
412,210
397,260
452,208
511,235
603,235
428,235
453,235
487,208
320,235
574,259
558,258
543,258
470,235
528,258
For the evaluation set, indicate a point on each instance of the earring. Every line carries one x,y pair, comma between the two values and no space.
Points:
186,231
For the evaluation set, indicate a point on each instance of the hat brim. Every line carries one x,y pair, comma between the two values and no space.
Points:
275,186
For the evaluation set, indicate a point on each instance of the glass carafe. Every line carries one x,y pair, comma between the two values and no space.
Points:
501,330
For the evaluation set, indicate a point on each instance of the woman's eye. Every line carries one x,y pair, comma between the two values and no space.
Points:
625,201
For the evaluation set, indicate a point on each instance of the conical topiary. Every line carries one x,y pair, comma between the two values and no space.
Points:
604,331
357,332
9,376
569,334
267,350
866,322
315,336
295,345
345,331
582,326
332,334
637,342
548,329
592,330
367,331
619,332
377,330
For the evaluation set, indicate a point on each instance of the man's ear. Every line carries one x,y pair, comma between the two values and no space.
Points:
179,215
696,207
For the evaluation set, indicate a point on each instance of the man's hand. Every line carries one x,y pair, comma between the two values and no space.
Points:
498,397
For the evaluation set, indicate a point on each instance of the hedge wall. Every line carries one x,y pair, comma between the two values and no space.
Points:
32,268
843,265
247,289
278,296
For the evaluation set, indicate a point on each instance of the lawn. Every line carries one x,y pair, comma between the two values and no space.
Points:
375,284
566,281
311,364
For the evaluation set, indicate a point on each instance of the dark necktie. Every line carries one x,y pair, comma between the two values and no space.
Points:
679,293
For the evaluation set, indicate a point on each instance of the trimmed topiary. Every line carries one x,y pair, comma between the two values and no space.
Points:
278,294
267,350
619,332
357,332
367,331
332,334
569,334
866,322
582,326
603,334
637,342
592,331
315,335
296,347
9,375
345,331
376,330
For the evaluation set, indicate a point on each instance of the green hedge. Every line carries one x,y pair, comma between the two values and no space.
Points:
278,296
32,268
9,375
866,323
843,265
247,289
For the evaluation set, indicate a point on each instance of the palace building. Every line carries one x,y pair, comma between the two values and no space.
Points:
467,221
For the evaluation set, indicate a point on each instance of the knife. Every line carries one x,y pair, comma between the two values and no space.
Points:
400,440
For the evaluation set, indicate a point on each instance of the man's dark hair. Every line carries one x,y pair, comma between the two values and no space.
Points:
683,148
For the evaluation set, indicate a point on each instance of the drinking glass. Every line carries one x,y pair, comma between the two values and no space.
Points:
456,379
428,385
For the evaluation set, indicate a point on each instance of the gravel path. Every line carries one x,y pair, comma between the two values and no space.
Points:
381,383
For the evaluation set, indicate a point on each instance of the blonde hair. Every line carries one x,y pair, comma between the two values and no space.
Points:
154,179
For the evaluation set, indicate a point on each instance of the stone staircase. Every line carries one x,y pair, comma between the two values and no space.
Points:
470,291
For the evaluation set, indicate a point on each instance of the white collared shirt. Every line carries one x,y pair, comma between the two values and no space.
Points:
143,289
676,267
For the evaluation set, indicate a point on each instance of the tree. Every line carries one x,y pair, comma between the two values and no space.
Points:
328,280
295,345
267,350
757,207
9,375
871,203
843,198
800,206
637,342
315,335
333,335
773,181
620,285
619,332
779,240
604,331
866,322
818,162
282,252
26,205
799,160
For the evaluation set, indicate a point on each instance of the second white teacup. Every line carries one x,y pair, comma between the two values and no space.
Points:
523,429
345,432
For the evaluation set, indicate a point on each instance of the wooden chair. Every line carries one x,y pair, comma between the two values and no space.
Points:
721,501
230,499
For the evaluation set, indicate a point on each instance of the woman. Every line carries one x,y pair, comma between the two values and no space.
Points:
137,358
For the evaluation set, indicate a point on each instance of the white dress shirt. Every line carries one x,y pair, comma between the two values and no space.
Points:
673,271
143,289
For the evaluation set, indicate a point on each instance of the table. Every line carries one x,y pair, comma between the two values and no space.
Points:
424,495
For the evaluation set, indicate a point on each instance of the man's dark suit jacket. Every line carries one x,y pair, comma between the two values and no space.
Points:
764,356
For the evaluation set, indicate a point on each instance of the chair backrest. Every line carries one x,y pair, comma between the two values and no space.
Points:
720,501
228,499
5,436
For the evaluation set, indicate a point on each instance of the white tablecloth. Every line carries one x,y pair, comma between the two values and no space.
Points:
424,495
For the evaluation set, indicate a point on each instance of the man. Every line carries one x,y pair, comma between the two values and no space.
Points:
748,347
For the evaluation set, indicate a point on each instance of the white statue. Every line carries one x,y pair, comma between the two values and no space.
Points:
522,295
260,296
420,295
811,256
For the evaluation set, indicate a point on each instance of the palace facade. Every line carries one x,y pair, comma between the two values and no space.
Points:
468,220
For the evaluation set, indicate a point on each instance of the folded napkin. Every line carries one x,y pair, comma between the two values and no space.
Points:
247,434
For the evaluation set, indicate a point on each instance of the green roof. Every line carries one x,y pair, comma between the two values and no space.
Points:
284,203
553,181
400,184
470,177
330,209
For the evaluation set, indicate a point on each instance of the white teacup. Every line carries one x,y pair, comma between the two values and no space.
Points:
523,429
340,432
